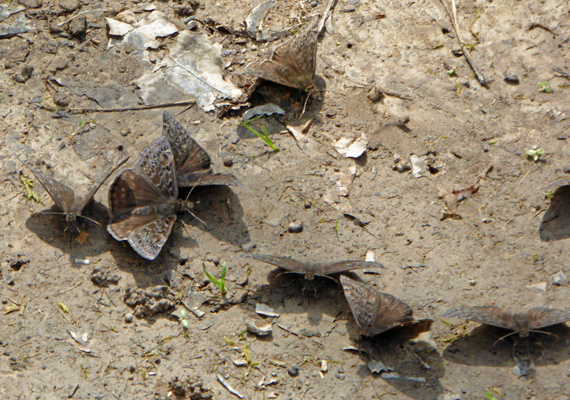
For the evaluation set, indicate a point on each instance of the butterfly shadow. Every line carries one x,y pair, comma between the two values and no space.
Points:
302,301
555,224
415,368
51,229
220,212
482,347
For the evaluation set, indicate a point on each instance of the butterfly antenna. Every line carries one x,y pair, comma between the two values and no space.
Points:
546,333
91,220
504,337
305,105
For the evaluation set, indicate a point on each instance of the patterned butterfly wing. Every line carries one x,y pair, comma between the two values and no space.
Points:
374,312
488,315
540,317
132,200
192,161
62,195
143,201
293,63
341,266
147,240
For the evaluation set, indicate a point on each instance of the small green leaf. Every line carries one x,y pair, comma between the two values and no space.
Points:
545,87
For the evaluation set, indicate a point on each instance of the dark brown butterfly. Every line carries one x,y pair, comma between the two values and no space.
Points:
310,269
143,201
192,161
66,200
293,63
375,312
522,323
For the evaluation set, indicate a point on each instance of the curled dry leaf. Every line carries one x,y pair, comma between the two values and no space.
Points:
463,194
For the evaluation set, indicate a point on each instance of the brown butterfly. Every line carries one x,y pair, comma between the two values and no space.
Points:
521,323
66,200
192,161
143,201
375,312
310,269
293,63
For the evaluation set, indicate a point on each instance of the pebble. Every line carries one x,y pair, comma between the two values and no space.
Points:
69,5
293,370
511,79
129,318
295,227
249,246
559,279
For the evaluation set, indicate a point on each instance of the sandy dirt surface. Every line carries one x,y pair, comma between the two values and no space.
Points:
470,225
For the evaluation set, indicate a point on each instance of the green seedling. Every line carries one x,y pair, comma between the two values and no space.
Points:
545,87
470,46
184,322
221,283
82,124
28,185
263,136
549,195
489,395
247,356
450,72
535,154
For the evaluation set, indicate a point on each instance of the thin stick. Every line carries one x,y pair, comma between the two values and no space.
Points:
453,17
139,108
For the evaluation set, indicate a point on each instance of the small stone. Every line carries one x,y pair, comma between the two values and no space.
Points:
132,368
31,3
376,94
125,132
26,74
295,227
69,5
192,25
77,27
511,79
129,318
559,279
55,29
293,370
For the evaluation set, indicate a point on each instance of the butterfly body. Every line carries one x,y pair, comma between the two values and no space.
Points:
521,322
193,164
375,312
312,269
143,201
293,63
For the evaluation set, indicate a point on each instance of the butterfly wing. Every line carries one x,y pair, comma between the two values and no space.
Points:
192,161
341,266
488,315
148,239
156,165
390,313
540,317
293,63
62,195
282,262
362,301
80,203
188,154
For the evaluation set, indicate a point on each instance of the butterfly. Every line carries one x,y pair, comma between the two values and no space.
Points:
375,312
310,269
293,63
521,323
66,200
192,161
143,201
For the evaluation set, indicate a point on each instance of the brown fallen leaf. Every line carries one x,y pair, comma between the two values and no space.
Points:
82,237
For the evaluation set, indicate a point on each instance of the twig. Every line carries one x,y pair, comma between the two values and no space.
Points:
453,17
328,10
139,108
564,74
228,387
81,13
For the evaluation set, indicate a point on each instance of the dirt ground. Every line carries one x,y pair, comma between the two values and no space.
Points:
503,244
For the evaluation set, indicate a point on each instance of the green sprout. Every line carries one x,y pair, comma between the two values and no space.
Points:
247,356
489,395
28,185
545,87
450,72
470,46
263,136
549,195
184,322
535,153
221,283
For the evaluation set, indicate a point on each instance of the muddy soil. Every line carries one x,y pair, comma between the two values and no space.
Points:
95,320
